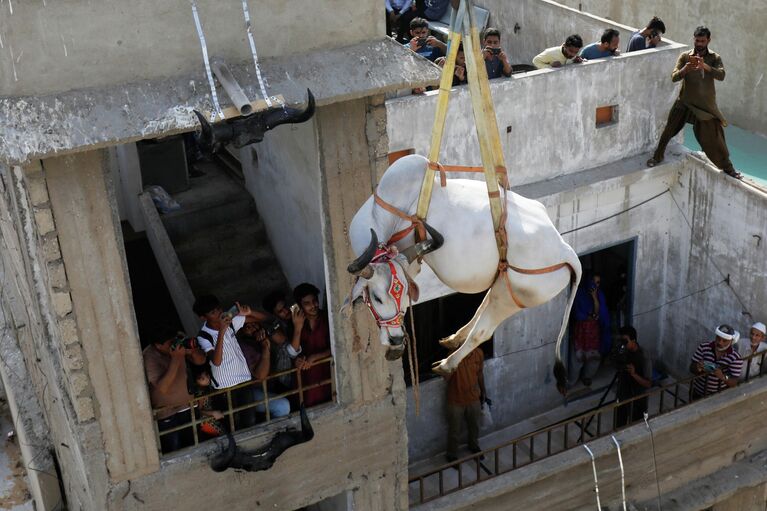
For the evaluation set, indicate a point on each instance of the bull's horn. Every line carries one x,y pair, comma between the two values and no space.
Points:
435,236
289,114
422,248
205,137
363,260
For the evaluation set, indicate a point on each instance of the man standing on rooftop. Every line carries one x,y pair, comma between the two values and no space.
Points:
698,68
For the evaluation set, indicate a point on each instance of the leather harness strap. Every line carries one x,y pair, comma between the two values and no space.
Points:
415,222
500,234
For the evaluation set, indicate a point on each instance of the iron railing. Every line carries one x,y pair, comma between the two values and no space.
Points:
556,438
229,412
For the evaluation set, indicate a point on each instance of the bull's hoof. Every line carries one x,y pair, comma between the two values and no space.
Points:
450,343
395,352
439,367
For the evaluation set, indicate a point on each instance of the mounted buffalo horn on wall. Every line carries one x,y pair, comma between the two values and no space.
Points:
264,457
250,129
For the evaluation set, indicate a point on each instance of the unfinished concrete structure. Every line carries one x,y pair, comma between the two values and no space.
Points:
73,101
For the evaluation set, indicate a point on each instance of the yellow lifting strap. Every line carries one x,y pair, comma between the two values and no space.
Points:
463,19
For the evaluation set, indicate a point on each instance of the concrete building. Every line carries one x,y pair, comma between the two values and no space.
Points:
74,100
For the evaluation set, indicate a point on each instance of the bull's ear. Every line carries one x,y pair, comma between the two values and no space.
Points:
354,297
412,291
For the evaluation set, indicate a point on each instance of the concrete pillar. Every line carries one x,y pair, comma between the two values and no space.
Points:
92,250
353,150
130,185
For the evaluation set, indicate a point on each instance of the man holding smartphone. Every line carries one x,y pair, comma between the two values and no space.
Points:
697,69
424,44
227,362
496,61
719,361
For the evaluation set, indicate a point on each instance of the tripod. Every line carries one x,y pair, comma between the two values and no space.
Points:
602,400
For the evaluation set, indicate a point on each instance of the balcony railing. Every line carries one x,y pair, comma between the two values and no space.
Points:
297,394
545,442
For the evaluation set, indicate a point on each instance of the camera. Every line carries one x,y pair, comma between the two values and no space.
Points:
421,42
495,51
181,341
620,354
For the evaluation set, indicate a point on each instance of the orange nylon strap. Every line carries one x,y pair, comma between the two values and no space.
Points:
415,222
503,266
539,271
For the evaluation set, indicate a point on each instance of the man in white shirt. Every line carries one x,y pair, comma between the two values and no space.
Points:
757,345
227,362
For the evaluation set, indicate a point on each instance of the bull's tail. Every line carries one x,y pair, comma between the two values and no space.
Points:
560,372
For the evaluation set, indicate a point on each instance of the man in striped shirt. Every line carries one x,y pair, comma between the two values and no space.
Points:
719,361
227,362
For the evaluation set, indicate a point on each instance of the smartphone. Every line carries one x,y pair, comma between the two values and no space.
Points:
421,42
709,366
232,312
294,308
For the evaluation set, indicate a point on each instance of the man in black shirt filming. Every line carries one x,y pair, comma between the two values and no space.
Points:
634,376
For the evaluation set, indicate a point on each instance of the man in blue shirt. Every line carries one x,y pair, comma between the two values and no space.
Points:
424,44
606,47
649,37
496,61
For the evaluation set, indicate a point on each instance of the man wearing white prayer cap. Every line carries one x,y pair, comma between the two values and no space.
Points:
757,345
717,363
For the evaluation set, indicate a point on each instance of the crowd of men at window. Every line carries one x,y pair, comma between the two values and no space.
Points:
244,366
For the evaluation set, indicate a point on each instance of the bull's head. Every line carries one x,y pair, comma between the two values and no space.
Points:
249,129
385,287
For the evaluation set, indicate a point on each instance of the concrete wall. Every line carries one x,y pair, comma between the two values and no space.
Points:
519,378
722,234
680,293
543,24
49,47
743,95
547,117
282,173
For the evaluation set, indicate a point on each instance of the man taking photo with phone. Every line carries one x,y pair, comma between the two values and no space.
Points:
496,61
697,69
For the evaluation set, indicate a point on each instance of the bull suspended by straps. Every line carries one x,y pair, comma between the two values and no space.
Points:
460,247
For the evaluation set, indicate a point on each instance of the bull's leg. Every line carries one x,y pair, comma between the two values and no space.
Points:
454,341
498,306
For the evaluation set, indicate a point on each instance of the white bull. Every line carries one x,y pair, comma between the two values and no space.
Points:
467,261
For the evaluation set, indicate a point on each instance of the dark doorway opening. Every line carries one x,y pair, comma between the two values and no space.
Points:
615,267
435,320
151,299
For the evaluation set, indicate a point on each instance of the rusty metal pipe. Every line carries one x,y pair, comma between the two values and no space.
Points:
230,85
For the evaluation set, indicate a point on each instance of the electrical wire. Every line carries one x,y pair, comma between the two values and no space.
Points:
618,213
711,258
654,459
251,40
204,46
623,474
596,482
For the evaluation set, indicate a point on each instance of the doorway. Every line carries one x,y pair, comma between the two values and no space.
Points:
614,265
